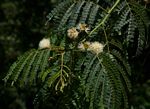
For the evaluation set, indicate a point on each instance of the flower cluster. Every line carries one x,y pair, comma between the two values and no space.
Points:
74,32
44,43
94,47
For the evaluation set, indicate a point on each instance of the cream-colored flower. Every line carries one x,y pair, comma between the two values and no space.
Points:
44,43
96,47
84,46
73,33
81,47
83,27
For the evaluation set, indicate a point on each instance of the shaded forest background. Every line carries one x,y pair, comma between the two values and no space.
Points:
22,26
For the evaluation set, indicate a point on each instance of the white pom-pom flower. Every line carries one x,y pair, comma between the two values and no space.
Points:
84,46
44,43
96,47
73,33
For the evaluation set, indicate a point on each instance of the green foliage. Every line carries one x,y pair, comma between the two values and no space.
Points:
82,78
135,17
102,74
25,70
73,12
21,28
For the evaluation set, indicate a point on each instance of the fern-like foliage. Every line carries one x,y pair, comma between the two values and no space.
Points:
28,66
127,18
75,12
101,81
83,79
132,19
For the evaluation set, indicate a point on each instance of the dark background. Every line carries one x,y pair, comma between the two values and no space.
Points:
22,26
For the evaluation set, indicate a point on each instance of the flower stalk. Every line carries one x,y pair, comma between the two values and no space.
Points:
105,18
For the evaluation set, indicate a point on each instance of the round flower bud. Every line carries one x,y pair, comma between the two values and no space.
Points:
96,47
44,43
72,33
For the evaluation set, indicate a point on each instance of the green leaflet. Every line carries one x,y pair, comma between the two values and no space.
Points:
56,10
88,64
27,69
122,21
93,14
113,76
66,17
73,18
85,12
44,63
94,96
